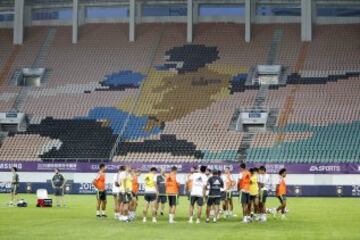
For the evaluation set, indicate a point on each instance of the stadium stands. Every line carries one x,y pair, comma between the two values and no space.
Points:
160,99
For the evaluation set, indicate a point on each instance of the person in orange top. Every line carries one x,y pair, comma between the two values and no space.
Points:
281,193
135,190
244,185
99,183
172,190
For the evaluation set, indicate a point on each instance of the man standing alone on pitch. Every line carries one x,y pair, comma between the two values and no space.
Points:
99,183
197,194
14,186
58,182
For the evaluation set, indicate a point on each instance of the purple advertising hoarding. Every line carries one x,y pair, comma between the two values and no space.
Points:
27,166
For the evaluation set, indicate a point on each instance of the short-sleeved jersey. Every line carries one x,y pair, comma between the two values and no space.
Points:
281,190
115,189
244,181
150,183
58,180
254,187
215,184
264,179
228,181
125,182
100,181
172,185
198,183
161,184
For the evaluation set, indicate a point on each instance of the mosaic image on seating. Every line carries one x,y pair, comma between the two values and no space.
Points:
177,104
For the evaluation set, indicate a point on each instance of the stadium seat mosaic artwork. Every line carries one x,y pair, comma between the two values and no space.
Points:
163,100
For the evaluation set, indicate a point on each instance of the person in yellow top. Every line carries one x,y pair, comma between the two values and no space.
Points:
125,197
254,192
150,195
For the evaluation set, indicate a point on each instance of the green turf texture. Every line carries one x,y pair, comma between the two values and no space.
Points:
309,218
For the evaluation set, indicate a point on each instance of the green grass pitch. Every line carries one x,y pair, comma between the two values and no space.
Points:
309,218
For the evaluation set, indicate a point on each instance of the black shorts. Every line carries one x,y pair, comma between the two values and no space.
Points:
150,197
282,198
198,200
253,197
101,195
162,199
213,200
244,197
172,200
125,198
263,196
134,195
14,189
223,196
58,191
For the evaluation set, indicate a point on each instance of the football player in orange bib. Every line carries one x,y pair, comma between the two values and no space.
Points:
172,190
281,193
99,183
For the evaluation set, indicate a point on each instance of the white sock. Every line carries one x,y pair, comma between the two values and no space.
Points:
191,218
171,217
97,212
103,213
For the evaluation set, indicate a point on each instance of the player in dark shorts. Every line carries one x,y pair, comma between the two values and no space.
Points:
58,182
162,198
99,184
215,184
14,186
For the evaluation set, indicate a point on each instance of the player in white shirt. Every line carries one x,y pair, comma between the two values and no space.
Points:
115,192
197,194
229,184
264,186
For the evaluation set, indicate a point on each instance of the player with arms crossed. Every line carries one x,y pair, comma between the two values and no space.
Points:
215,185
14,187
172,190
281,193
197,194
58,182
99,183
151,193
264,186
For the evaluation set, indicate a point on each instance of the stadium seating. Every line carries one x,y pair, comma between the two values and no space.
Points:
165,100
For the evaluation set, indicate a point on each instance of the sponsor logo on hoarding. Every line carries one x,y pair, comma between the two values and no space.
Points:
61,166
4,166
89,188
5,187
325,168
274,168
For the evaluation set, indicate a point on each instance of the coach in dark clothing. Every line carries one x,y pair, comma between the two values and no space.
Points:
58,183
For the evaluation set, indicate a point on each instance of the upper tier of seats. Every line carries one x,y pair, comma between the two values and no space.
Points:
166,100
